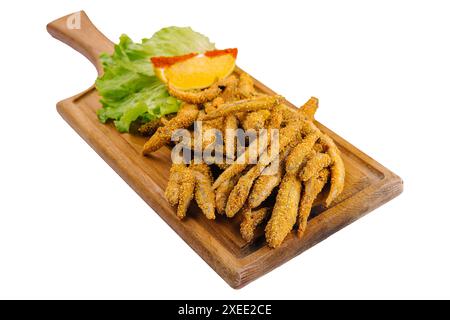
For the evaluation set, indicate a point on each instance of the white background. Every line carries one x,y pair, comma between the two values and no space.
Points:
70,227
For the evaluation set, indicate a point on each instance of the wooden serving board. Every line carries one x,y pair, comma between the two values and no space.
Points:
368,184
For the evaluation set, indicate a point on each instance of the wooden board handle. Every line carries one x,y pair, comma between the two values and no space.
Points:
77,31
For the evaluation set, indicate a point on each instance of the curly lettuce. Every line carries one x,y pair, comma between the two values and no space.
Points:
129,89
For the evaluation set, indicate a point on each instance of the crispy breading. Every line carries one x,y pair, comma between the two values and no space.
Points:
213,105
186,116
217,123
208,134
310,107
284,214
229,136
256,120
230,93
309,127
312,188
314,165
246,86
195,97
203,168
228,173
242,161
337,169
288,113
247,105
251,220
296,157
240,192
187,187
276,118
149,128
286,136
172,192
204,194
268,180
223,192
263,187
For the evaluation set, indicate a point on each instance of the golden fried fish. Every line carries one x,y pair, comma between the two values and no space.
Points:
251,220
247,105
186,193
314,165
312,188
284,214
186,116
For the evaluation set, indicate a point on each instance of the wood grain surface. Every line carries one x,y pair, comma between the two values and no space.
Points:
368,184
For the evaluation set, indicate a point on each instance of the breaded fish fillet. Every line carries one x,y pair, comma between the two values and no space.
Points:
242,161
186,192
195,97
337,169
276,118
231,92
284,214
247,105
314,165
240,192
286,136
172,192
300,151
186,116
213,105
312,188
223,192
251,220
263,187
267,181
204,194
246,86
256,120
229,136
310,107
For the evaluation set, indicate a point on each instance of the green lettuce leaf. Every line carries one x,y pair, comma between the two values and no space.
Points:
129,89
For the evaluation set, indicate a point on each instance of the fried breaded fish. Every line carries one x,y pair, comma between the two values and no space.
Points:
223,192
318,162
204,194
268,180
186,193
256,120
172,192
186,116
263,187
247,105
298,154
310,108
240,192
286,136
195,97
284,214
246,86
312,188
213,105
231,92
337,169
229,128
251,220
